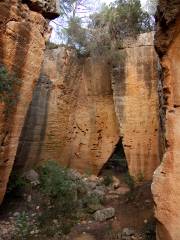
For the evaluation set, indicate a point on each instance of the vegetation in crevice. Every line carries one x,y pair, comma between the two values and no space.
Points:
9,88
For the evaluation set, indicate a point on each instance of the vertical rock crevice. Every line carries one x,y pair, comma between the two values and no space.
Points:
34,128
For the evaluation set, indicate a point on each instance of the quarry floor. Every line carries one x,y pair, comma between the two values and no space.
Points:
133,212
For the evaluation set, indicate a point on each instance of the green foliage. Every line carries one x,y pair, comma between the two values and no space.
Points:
55,182
124,18
60,198
140,177
129,180
75,34
9,86
22,226
51,45
106,29
92,202
16,183
99,42
107,180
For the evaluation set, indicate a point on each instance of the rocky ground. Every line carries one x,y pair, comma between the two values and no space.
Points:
115,209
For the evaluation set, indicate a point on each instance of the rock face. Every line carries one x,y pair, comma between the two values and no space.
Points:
136,103
72,118
104,214
49,8
165,187
22,43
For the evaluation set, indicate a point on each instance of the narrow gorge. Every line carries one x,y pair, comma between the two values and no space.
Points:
106,128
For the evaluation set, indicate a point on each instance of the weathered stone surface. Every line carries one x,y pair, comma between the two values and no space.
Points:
22,43
72,118
32,176
49,8
136,103
104,214
166,183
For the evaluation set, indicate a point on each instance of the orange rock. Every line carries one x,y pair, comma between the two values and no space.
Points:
22,47
136,103
72,118
165,187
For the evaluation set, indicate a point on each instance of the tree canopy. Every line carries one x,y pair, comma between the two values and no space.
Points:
83,27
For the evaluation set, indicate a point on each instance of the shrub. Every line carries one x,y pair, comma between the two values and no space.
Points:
51,45
108,180
60,199
16,184
9,86
129,180
55,181
140,177
22,226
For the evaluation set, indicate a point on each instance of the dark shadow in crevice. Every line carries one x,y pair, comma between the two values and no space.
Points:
117,163
34,130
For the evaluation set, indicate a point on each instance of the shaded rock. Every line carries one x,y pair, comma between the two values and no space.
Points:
116,182
74,175
32,176
49,8
104,214
94,207
127,232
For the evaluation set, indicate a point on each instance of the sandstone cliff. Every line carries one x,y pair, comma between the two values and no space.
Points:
22,42
137,106
165,185
72,118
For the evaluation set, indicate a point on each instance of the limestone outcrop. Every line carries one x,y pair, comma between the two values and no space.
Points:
165,187
72,118
22,44
134,84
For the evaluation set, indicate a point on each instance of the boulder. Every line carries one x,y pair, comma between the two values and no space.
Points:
104,214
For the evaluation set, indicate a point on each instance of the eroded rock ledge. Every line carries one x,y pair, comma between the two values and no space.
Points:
165,185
